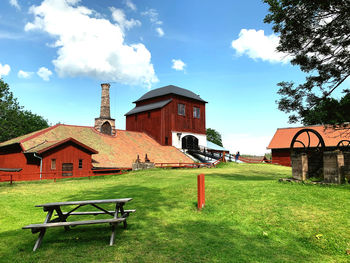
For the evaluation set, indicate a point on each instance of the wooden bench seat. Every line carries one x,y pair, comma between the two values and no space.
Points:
74,223
96,212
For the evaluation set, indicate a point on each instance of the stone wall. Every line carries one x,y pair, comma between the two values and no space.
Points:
333,166
142,166
299,166
346,168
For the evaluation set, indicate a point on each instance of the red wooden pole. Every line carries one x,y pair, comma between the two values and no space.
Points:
201,191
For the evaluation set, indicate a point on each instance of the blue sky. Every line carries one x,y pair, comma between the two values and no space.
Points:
55,53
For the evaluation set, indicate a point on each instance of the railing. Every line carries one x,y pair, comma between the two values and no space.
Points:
187,165
57,174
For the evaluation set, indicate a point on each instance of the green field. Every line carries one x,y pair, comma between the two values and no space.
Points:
249,217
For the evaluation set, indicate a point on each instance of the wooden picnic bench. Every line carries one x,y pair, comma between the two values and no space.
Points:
119,215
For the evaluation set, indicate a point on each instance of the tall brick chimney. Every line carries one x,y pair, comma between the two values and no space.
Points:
105,124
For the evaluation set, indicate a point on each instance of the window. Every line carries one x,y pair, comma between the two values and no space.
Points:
196,112
53,164
67,169
149,115
181,109
135,117
80,163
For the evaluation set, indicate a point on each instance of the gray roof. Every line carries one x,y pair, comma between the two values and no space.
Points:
148,107
213,146
171,89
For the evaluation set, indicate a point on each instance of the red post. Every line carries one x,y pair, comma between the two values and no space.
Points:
201,191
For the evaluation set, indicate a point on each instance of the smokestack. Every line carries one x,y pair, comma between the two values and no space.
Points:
105,124
105,112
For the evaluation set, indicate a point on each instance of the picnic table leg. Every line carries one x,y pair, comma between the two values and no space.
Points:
111,242
39,240
61,216
125,224
42,231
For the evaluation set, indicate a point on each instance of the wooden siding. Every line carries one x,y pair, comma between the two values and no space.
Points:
15,158
281,156
67,153
165,120
142,123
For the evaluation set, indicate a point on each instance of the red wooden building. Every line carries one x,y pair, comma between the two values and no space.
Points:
280,143
171,115
53,159
68,150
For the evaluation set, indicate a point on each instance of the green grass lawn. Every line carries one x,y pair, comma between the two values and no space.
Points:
249,217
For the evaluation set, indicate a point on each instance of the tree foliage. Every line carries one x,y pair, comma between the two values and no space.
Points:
14,120
316,34
214,136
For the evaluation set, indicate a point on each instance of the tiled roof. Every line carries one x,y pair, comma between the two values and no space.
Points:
331,136
45,146
170,89
113,151
148,107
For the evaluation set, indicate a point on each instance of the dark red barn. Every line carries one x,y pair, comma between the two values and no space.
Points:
171,115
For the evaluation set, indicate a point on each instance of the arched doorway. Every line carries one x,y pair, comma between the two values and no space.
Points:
190,142
106,128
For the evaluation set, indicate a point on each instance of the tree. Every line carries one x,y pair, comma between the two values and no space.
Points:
14,120
214,136
316,34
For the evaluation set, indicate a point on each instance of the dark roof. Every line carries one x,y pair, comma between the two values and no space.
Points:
171,89
148,107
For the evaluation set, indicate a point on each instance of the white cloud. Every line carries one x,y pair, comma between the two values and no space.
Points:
91,46
258,46
118,16
160,31
44,73
246,143
24,74
152,14
15,4
4,70
131,5
178,64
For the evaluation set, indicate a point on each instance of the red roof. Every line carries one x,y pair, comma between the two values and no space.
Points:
113,151
330,135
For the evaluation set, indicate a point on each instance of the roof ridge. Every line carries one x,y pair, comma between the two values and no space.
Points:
299,127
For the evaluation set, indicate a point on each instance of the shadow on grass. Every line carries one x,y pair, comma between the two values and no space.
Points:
240,177
186,241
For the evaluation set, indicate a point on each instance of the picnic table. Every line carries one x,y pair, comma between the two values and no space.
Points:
118,215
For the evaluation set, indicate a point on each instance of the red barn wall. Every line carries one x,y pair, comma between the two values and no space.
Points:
281,156
15,158
163,121
143,123
66,153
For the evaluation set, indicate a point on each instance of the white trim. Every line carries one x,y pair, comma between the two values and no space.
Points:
176,140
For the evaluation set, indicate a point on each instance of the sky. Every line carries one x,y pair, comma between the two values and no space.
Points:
54,54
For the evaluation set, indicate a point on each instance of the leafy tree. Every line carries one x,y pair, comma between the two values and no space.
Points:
214,136
316,34
14,120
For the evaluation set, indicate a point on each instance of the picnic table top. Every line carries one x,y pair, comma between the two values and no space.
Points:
86,202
